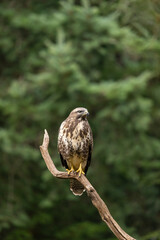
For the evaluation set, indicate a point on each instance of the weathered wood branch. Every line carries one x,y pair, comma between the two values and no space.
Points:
91,192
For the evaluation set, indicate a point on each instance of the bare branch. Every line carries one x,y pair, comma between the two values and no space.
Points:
91,192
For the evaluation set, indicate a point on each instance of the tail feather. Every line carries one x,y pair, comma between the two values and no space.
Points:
76,187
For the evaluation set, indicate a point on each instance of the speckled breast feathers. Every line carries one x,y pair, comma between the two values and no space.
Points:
75,143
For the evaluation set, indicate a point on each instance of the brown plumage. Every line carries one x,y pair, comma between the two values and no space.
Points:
75,143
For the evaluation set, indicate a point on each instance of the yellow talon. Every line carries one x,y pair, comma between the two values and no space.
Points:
69,171
80,170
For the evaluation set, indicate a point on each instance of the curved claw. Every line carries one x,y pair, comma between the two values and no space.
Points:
80,170
70,170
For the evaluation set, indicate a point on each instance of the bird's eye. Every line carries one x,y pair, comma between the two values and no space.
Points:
80,111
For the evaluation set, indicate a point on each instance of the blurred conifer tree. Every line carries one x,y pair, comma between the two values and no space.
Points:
57,55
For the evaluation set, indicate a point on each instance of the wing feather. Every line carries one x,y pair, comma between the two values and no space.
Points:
89,159
63,161
61,149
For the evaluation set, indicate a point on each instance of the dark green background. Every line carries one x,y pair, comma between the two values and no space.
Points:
58,55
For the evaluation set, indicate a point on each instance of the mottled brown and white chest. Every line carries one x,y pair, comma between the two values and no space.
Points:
74,139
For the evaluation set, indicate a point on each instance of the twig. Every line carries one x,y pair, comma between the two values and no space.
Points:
91,192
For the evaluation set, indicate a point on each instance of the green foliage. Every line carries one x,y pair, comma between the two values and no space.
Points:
55,56
84,230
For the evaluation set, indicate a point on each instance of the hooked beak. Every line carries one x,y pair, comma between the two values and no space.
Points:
86,113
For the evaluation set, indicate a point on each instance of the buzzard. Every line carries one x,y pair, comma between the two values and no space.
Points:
75,143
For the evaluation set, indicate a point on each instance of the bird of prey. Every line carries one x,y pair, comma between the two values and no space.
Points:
75,143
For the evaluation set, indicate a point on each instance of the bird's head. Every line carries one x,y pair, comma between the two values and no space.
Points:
79,113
